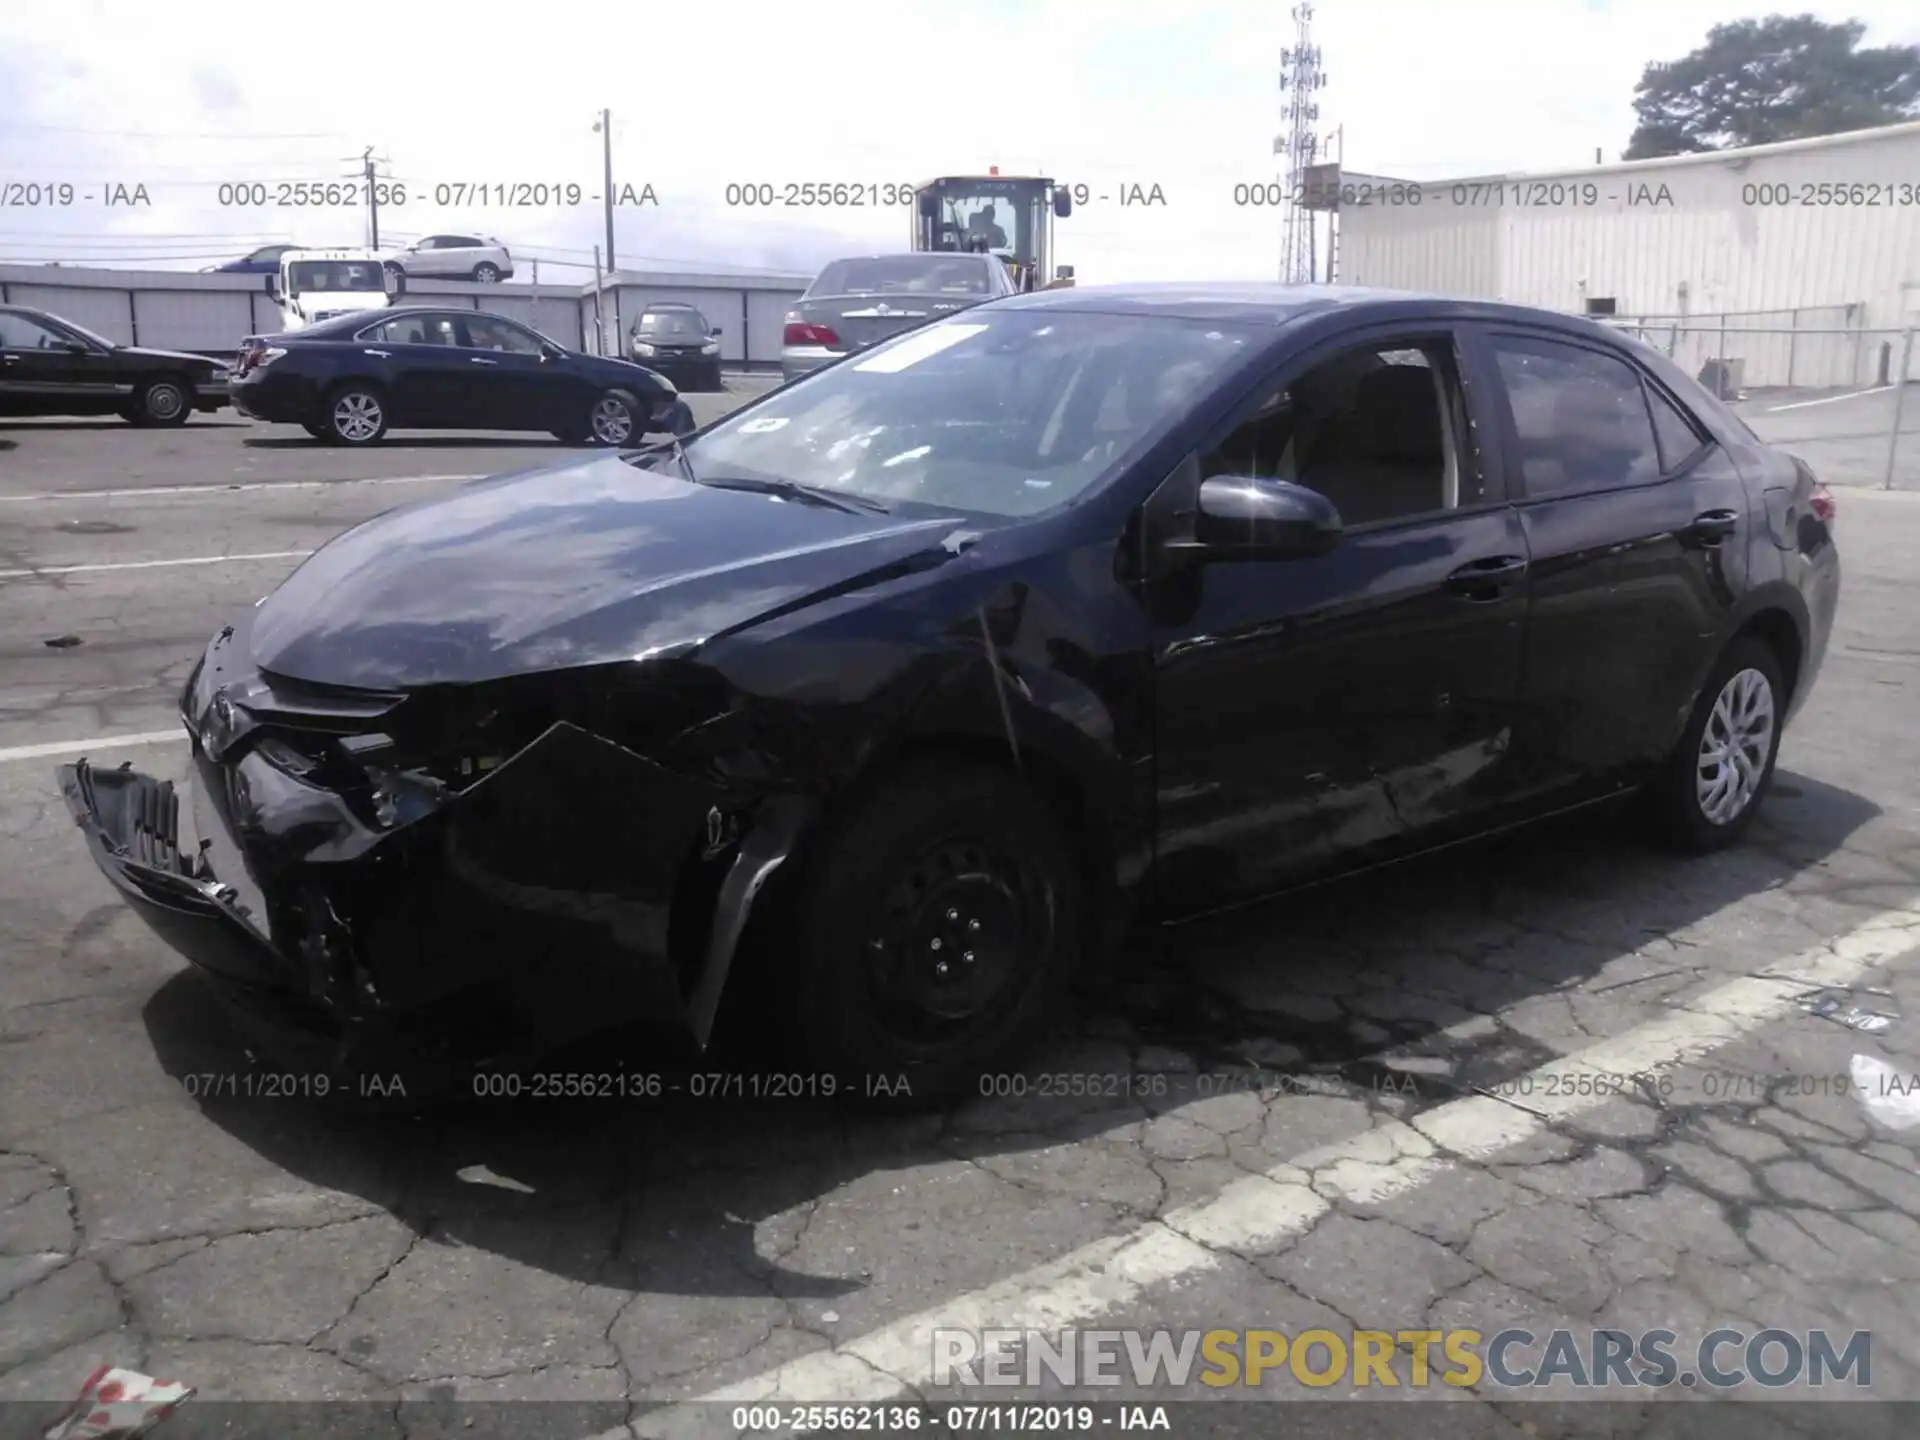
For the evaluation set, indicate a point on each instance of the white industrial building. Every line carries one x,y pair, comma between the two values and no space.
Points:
1768,246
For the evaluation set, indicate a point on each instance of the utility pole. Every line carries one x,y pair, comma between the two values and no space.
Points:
369,176
605,126
1300,77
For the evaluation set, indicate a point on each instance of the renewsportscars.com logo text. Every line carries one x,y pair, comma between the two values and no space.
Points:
1514,1358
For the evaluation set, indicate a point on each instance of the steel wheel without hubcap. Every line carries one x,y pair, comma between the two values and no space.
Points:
1734,747
611,420
953,940
357,417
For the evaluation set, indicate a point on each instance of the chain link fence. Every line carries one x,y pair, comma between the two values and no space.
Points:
1815,381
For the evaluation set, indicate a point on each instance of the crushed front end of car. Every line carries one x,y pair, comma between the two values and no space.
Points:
447,879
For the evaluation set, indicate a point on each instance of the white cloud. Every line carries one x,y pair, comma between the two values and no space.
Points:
1185,97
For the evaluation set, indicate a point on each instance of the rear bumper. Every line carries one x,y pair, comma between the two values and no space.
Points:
275,399
798,360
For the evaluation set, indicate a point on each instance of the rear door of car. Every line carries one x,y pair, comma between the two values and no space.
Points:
1312,712
416,357
1637,526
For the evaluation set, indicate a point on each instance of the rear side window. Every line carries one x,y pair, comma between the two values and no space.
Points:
1581,417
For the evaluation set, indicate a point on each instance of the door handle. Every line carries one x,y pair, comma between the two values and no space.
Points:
478,360
1486,579
383,354
1711,527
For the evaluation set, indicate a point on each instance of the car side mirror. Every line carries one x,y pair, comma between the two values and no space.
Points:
396,283
1245,517
73,347
273,286
1062,202
930,206
552,352
716,332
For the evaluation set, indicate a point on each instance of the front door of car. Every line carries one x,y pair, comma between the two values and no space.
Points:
1321,710
1638,526
513,384
44,371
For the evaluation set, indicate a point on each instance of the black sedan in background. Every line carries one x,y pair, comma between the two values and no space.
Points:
677,341
350,380
904,685
50,366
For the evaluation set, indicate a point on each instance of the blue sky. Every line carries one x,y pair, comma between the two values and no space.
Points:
184,97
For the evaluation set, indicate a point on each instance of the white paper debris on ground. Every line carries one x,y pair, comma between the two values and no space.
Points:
1891,1097
118,1404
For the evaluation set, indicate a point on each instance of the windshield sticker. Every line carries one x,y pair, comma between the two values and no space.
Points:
920,347
763,424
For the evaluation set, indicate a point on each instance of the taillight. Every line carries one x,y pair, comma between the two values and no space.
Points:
257,353
1821,503
802,332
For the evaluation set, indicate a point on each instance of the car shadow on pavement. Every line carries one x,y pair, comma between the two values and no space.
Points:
27,425
1324,993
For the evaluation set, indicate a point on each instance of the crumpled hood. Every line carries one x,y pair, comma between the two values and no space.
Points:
579,564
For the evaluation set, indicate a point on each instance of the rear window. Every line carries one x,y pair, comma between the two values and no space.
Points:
908,274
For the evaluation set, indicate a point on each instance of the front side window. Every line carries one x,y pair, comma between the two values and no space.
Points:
17,332
1002,414
1376,430
485,333
1581,417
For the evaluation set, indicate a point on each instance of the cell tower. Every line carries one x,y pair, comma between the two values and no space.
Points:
1300,78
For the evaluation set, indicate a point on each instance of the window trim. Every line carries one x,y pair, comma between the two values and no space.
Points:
1414,334
1703,438
1488,334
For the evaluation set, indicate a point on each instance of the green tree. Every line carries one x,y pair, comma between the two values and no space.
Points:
1787,77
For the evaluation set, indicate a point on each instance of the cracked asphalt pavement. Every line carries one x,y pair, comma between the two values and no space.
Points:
1347,1109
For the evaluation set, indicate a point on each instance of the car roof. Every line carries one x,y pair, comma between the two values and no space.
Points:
1275,304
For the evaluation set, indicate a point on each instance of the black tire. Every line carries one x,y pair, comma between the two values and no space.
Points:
598,428
164,401
893,879
342,401
1679,810
487,273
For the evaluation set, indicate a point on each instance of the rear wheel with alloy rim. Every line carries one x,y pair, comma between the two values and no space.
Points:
1720,770
356,415
935,928
613,419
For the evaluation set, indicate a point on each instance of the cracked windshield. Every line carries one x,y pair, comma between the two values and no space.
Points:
948,728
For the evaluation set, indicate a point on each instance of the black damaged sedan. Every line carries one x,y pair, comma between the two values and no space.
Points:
893,695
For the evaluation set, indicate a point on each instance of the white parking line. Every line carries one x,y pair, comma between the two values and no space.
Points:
1827,399
38,571
81,747
1258,1212
155,491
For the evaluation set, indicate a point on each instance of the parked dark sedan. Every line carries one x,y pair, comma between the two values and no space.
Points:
50,366
677,341
350,379
913,679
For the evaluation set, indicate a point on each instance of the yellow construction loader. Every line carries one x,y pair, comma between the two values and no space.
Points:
1010,216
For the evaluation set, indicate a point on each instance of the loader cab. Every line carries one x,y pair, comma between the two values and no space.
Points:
1010,216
